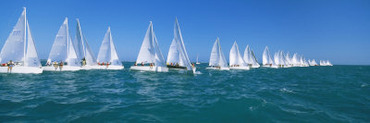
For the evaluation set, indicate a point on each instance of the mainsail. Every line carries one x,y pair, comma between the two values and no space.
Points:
14,47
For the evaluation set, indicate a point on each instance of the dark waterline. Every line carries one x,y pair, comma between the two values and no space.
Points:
314,94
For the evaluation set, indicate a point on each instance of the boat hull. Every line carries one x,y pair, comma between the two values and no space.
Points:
86,67
22,69
239,68
149,68
112,67
218,68
65,68
272,66
255,66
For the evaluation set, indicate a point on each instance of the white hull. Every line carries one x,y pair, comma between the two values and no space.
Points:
21,69
112,67
255,66
272,66
217,68
149,68
239,68
65,68
86,67
197,63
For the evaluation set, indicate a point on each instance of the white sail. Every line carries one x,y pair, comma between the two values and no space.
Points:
14,47
266,57
59,50
312,62
254,59
288,59
149,51
89,55
282,60
177,52
82,47
20,49
217,56
63,49
295,60
250,58
107,52
247,57
235,58
32,59
277,58
72,59
173,53
223,62
79,43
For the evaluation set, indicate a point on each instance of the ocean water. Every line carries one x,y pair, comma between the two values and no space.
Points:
314,94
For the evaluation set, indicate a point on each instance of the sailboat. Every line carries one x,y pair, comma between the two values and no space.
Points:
250,58
236,60
325,63
63,56
217,60
288,60
150,57
267,60
19,54
84,52
312,62
295,61
107,57
177,56
197,60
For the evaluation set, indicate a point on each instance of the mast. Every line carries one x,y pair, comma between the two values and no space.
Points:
24,47
68,41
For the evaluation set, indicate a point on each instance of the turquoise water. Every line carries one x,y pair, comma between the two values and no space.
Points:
314,94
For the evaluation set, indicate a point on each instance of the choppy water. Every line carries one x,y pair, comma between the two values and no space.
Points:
314,94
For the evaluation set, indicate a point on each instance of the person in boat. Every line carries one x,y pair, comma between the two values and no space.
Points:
177,65
10,66
192,64
83,62
61,65
55,64
108,64
135,64
142,63
171,64
151,65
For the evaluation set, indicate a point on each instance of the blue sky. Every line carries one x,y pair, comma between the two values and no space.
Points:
337,30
